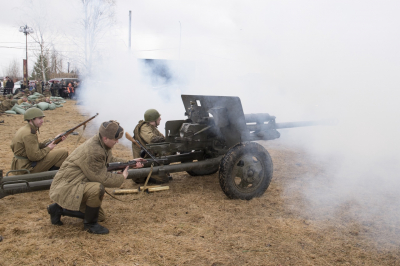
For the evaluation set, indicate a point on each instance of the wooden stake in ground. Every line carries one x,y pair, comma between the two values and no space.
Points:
137,190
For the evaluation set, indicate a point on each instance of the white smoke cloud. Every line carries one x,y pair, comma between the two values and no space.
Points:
297,60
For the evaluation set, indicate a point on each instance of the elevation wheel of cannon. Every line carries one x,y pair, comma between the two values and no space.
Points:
245,171
204,171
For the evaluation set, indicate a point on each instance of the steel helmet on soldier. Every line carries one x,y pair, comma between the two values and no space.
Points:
32,113
151,115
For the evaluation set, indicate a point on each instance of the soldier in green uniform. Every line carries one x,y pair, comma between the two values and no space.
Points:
146,132
47,92
78,187
7,104
23,99
27,92
39,86
19,95
29,153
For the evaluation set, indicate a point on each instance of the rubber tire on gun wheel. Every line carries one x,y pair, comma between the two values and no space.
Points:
198,172
204,171
245,171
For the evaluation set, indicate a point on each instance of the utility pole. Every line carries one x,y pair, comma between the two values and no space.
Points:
130,24
180,36
26,30
68,67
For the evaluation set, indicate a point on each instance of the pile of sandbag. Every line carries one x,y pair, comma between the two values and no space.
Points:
47,106
21,109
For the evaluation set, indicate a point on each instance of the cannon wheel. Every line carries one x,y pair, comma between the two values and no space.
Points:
204,171
245,171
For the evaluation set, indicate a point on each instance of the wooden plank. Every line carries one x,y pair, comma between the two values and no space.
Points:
125,191
154,189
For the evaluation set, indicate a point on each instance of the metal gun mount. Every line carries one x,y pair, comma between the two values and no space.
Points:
216,135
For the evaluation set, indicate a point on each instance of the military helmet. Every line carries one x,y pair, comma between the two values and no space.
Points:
32,113
151,115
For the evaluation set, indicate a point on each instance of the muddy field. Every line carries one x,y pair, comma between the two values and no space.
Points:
193,223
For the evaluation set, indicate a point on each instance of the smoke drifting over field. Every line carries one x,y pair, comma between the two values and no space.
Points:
295,60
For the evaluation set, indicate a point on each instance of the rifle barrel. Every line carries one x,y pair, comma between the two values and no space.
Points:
69,131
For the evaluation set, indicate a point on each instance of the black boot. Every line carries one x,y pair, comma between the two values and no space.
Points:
90,222
55,212
76,214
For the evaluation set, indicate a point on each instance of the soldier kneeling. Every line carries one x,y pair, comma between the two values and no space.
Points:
78,187
31,154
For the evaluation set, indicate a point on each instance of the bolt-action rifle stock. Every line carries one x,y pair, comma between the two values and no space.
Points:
58,139
120,166
129,137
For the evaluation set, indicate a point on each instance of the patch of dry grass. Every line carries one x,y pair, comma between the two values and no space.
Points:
193,223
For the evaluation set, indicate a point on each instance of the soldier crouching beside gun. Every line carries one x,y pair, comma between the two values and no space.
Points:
146,132
29,153
79,186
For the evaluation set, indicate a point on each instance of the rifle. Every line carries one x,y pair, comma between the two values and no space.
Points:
143,148
58,139
120,166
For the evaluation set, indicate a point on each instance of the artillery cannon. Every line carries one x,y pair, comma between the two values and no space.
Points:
216,135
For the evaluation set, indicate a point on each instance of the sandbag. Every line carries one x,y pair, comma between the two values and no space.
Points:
43,106
52,106
26,104
59,105
32,98
18,109
10,112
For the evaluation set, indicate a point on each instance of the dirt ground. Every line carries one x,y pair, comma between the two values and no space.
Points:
193,223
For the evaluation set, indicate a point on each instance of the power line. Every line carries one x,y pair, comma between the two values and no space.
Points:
34,49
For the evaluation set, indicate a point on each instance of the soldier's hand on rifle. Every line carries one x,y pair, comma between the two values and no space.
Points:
139,163
52,145
63,137
125,172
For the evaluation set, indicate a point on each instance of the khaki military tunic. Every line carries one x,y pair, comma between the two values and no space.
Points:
39,87
40,100
6,105
21,101
32,155
47,93
83,173
145,133
19,95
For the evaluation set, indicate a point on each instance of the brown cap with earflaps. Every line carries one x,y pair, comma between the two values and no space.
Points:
111,130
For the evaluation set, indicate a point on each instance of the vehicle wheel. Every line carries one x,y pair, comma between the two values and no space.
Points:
204,171
245,171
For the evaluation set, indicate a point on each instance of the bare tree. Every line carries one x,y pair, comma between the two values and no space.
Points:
13,70
98,18
56,62
42,54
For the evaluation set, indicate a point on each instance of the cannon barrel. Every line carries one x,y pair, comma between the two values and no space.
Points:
41,181
299,124
258,118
